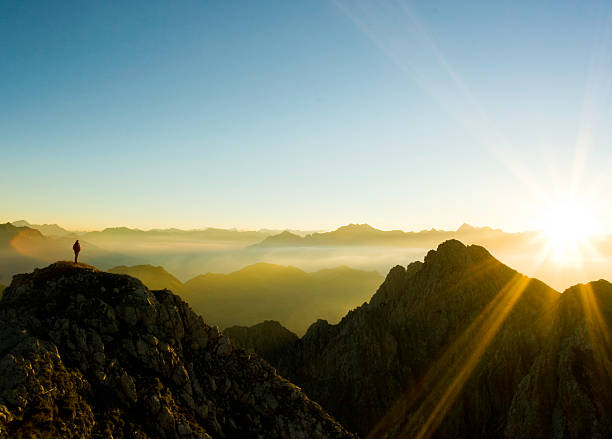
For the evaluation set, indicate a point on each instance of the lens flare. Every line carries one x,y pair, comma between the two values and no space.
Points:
568,227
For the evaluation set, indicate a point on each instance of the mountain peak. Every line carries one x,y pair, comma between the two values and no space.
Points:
465,227
356,228
454,254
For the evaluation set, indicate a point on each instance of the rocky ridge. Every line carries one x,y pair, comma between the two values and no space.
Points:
461,346
86,354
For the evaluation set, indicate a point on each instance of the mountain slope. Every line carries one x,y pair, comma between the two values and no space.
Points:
287,294
460,346
155,278
88,354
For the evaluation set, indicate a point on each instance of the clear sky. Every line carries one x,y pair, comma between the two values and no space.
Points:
303,114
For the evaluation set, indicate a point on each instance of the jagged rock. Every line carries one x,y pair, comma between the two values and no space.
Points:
84,354
461,346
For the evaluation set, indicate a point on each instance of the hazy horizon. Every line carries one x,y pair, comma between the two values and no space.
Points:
297,228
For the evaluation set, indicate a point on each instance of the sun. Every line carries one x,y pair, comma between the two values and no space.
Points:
568,227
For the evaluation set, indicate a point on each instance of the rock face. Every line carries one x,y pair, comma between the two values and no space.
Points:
87,354
461,346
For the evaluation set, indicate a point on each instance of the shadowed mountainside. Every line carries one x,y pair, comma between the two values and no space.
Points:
87,354
274,292
460,346
270,337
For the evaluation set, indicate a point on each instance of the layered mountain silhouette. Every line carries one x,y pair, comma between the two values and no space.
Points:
282,293
458,346
89,354
262,290
155,278
188,253
45,229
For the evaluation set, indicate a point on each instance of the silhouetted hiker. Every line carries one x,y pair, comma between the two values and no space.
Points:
77,248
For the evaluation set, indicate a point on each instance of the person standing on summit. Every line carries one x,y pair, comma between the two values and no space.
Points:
77,248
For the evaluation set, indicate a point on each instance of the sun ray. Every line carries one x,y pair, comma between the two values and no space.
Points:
444,381
397,31
597,328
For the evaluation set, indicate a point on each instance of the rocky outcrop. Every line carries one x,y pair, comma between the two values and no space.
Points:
87,354
462,346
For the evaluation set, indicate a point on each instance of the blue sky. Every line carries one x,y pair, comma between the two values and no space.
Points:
299,114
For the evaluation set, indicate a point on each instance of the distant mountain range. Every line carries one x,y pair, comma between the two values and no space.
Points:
458,346
366,235
210,234
45,229
275,292
351,235
112,233
188,253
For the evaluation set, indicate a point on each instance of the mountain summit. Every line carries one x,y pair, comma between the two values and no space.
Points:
86,354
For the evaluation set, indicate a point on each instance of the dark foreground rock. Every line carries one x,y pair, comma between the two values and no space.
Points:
89,354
